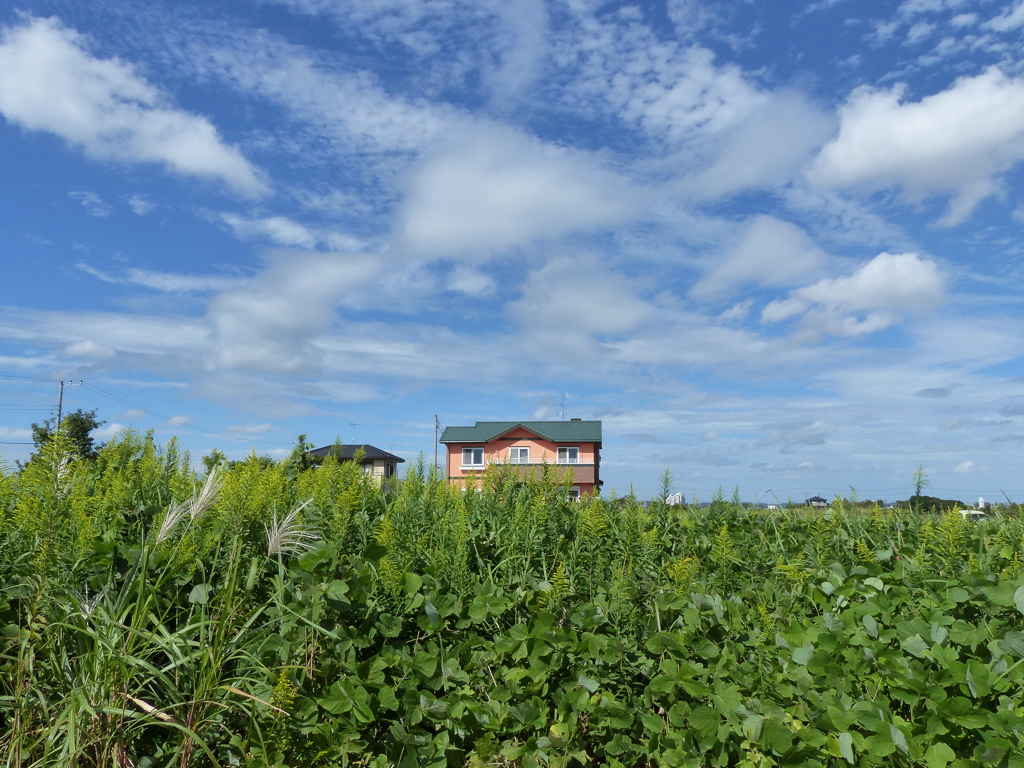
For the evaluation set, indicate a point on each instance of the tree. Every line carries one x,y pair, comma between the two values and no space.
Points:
77,427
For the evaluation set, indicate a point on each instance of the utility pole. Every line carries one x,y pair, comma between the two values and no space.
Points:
437,426
60,400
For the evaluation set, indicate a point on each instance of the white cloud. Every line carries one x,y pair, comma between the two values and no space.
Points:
497,190
520,52
1009,20
141,205
962,20
108,431
790,436
92,203
165,282
472,282
250,429
689,16
955,423
270,322
48,82
871,299
345,105
919,32
737,311
964,467
88,348
161,340
278,229
770,252
571,304
683,90
955,142
670,91
765,148
910,8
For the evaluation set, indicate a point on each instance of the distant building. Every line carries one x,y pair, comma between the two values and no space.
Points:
574,446
374,461
817,501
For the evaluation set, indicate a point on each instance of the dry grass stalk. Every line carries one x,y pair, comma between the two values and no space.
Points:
288,537
194,506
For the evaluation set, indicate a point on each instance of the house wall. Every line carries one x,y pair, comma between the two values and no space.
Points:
541,452
378,467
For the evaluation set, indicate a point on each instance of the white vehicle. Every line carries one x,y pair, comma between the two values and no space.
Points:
974,514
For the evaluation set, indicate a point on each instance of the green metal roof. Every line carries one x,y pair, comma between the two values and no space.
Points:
555,431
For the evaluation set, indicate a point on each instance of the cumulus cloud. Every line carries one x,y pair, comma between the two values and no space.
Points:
49,82
270,322
956,142
771,252
874,297
498,190
569,304
764,148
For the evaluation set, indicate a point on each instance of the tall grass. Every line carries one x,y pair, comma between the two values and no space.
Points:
152,616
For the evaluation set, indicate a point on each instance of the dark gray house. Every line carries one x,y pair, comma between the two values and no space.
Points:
374,461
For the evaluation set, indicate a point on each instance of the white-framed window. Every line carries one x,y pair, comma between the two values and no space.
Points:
574,493
472,457
568,454
519,454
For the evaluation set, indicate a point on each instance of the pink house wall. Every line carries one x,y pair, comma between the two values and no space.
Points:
541,451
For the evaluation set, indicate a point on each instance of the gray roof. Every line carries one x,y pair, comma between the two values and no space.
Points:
348,452
555,431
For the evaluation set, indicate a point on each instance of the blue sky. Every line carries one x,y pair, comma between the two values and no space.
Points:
770,245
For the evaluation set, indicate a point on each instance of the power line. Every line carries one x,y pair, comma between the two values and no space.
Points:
171,419
25,378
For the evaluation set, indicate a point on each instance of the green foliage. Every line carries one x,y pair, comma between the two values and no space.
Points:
920,480
77,427
273,615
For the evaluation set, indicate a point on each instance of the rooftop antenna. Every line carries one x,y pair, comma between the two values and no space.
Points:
561,406
354,425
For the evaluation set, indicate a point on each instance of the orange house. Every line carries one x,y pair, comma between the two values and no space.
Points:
574,445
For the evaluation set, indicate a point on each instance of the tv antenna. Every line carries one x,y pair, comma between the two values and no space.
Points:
561,406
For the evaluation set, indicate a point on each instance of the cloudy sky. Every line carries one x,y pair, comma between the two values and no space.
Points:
770,245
